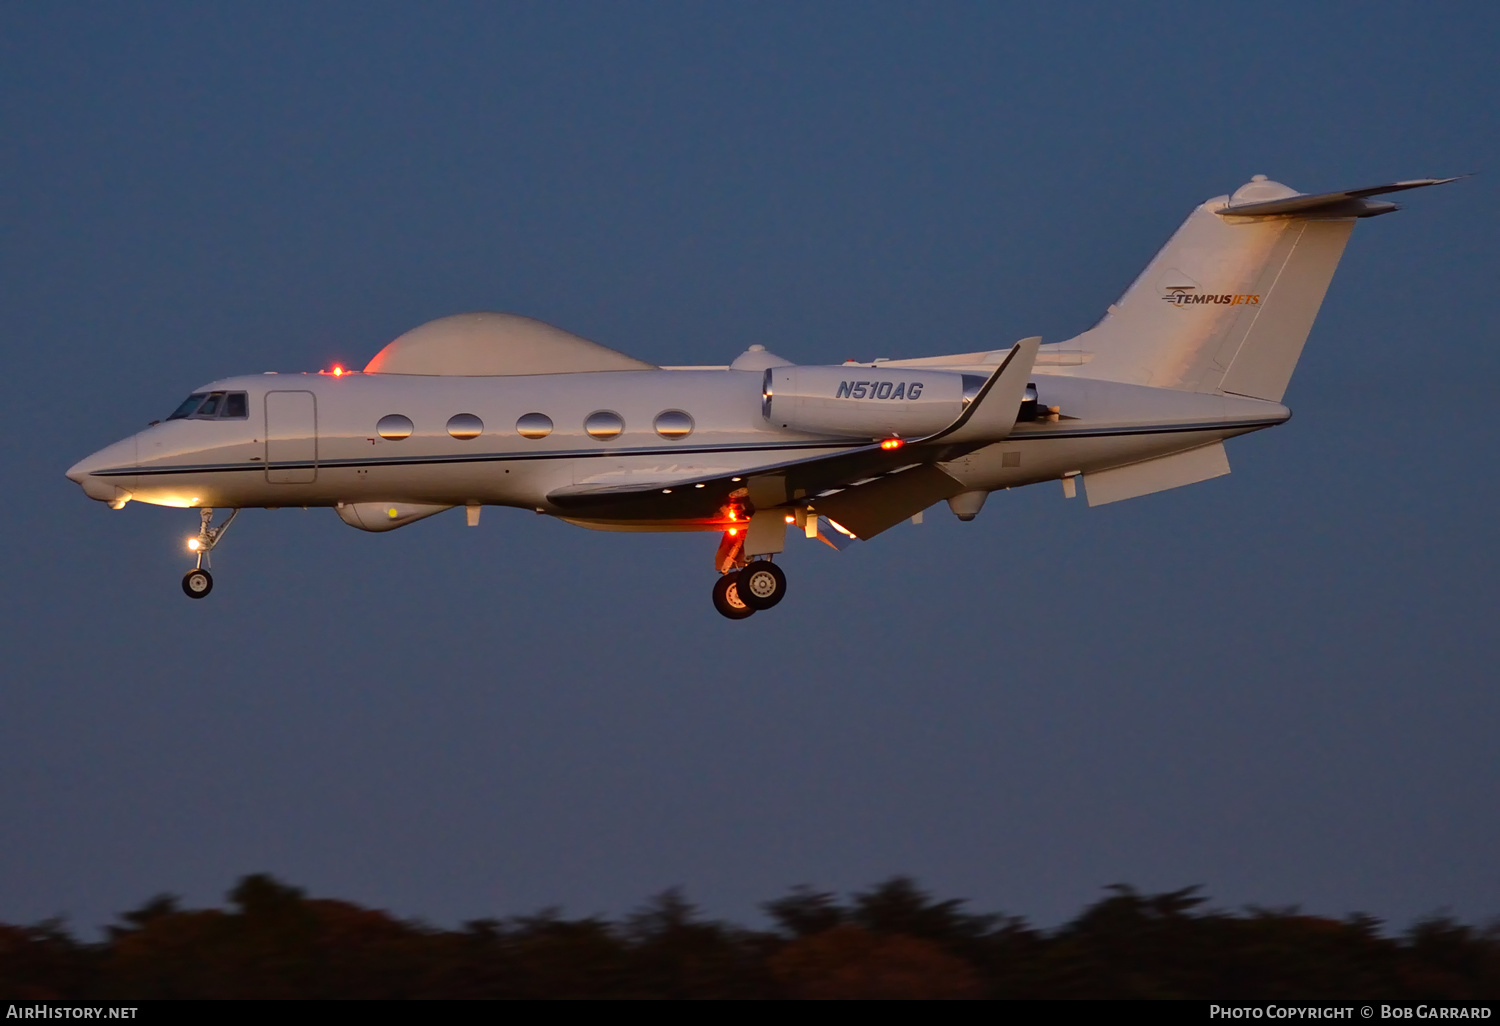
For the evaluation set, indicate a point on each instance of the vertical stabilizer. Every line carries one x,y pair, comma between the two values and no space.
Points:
1271,338
1227,304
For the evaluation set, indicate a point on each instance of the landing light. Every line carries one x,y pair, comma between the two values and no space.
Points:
733,531
194,545
892,443
338,371
791,519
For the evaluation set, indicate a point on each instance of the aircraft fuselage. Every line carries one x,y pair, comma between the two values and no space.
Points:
315,440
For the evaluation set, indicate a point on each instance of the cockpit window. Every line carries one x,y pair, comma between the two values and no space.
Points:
214,406
188,406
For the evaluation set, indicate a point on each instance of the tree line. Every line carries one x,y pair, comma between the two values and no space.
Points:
892,941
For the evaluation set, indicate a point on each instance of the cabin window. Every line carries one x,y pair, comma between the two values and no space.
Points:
189,404
393,427
604,424
465,426
534,425
674,424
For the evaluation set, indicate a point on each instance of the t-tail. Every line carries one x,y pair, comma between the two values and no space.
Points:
1227,304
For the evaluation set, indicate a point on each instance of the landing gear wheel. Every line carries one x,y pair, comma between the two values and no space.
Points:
762,584
197,583
727,598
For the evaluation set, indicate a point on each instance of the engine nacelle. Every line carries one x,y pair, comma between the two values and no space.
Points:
866,402
384,516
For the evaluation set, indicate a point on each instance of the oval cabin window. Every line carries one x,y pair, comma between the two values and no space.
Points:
674,424
393,427
465,426
604,424
534,425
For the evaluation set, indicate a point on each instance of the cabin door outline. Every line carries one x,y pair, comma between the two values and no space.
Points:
291,437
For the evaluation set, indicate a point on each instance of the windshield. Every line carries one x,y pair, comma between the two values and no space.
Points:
214,406
188,406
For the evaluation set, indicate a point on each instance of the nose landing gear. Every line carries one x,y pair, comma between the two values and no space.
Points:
198,582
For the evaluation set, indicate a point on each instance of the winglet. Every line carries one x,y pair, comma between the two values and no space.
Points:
999,397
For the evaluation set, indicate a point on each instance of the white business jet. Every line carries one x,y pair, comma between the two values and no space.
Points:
492,409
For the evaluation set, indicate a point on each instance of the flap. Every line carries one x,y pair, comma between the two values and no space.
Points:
882,504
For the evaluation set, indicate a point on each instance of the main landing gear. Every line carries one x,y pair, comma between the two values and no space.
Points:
761,584
744,584
198,582
738,593
727,597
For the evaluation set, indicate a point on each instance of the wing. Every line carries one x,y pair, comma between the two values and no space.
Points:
834,478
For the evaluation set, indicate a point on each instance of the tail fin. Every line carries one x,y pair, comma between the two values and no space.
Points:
1227,304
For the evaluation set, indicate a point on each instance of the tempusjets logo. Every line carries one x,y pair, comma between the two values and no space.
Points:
1188,295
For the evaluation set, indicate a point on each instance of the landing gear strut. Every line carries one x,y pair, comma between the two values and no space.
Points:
198,582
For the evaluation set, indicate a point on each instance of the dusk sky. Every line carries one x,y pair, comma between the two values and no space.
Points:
1278,684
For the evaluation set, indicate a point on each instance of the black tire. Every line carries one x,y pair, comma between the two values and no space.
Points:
762,584
727,600
197,583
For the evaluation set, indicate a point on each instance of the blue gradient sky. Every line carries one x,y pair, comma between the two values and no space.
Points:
1279,684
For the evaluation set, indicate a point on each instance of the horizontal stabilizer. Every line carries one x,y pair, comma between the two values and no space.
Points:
1353,203
1174,471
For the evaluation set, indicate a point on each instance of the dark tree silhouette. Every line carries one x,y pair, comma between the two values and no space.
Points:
892,941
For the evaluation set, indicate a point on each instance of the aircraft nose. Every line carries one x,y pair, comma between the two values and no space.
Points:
85,473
